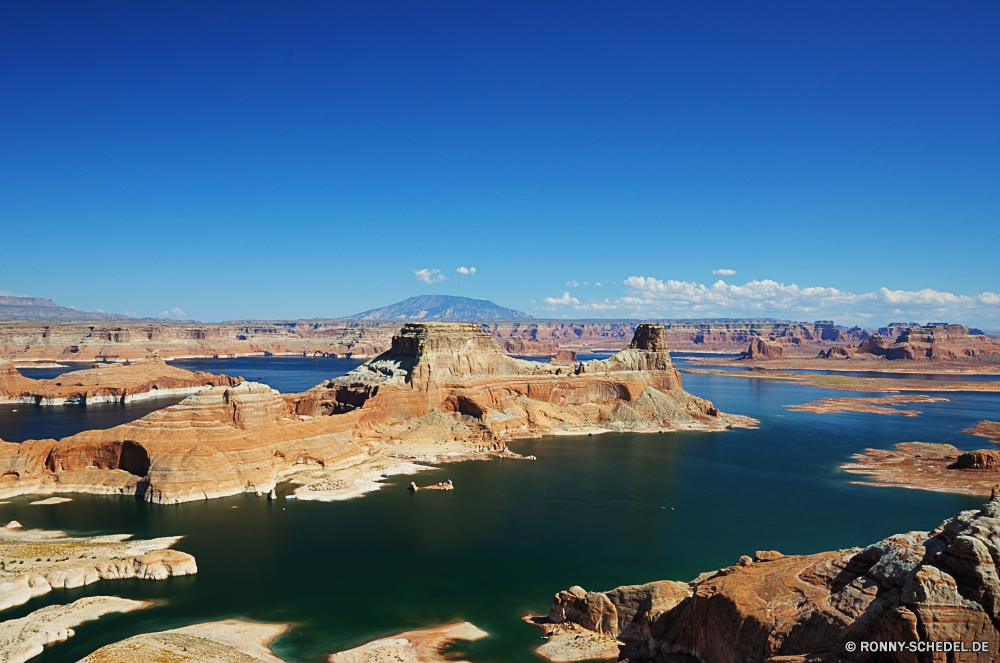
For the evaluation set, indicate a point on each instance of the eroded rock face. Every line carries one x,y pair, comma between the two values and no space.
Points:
919,586
456,369
915,343
107,383
105,341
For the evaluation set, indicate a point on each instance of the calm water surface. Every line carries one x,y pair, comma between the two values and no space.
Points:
596,511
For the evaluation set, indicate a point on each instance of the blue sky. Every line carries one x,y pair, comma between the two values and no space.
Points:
283,160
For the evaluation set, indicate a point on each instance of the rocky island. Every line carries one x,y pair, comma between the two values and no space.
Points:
33,562
916,587
107,383
442,391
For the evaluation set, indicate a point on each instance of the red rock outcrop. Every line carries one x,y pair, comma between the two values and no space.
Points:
761,350
107,383
930,343
441,388
564,358
903,592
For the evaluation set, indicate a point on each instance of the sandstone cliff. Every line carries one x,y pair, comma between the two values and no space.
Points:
118,341
916,587
457,370
442,391
929,343
106,383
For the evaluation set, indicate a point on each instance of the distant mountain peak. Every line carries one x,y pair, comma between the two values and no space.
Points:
443,307
36,308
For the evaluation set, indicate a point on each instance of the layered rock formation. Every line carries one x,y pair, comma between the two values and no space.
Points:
442,390
438,369
221,441
761,350
32,562
119,341
929,343
903,592
107,383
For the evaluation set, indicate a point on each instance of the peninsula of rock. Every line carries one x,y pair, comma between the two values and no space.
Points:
33,562
442,391
107,383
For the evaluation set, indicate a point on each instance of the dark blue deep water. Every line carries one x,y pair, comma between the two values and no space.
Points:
594,511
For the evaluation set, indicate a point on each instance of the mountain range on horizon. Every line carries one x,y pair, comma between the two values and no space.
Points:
444,308
434,308
37,308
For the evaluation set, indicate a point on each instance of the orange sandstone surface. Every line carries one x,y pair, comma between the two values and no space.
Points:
914,587
442,391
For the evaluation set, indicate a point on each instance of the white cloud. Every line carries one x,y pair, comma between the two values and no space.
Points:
598,284
176,311
565,300
466,270
164,314
724,272
572,284
429,275
652,297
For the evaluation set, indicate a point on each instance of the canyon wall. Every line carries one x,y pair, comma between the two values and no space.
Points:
119,341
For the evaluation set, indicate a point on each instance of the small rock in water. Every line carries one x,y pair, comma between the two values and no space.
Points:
413,486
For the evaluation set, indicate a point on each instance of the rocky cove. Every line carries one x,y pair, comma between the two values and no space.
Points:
596,511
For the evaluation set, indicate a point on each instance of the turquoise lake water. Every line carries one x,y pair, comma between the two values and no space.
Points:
595,511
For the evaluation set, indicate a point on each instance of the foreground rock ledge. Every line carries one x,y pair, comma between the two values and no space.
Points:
443,392
24,638
33,562
420,646
919,586
229,641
